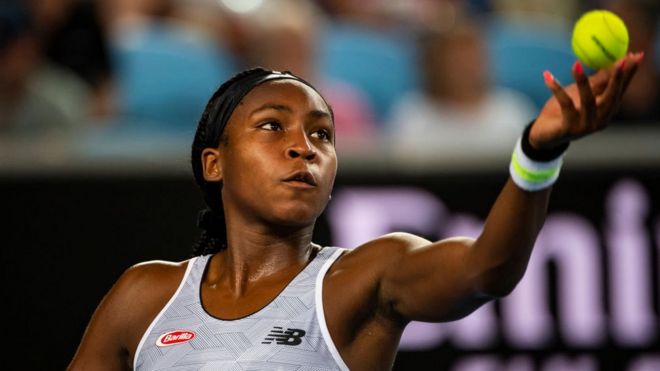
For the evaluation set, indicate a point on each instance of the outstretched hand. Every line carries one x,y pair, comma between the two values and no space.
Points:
583,107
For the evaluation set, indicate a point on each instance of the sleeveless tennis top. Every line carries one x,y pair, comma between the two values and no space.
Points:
289,333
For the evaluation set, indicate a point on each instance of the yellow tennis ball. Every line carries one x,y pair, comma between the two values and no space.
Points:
600,38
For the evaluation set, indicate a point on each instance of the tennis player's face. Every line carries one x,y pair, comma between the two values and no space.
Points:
279,164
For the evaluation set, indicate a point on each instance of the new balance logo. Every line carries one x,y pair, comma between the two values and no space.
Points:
292,336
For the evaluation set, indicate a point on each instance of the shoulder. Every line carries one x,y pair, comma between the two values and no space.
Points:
382,251
125,313
354,281
152,271
386,253
146,282
149,278
140,293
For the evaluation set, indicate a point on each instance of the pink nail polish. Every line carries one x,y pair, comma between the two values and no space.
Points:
621,65
577,68
547,76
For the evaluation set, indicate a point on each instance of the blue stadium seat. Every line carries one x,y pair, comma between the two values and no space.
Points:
166,74
521,50
381,64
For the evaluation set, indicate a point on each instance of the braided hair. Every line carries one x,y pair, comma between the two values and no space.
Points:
212,219
210,134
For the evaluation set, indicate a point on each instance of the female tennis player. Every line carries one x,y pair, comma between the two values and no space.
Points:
260,295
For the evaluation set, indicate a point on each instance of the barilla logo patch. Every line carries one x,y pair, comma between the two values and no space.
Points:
175,337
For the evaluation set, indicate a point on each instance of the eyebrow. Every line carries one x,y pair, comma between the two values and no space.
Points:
277,107
317,114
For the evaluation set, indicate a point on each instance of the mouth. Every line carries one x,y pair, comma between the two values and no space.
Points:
303,179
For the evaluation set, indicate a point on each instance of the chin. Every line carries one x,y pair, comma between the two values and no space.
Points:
296,216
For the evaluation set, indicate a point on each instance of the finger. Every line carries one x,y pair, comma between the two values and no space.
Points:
632,63
564,100
612,87
609,101
587,100
629,67
612,95
599,81
620,80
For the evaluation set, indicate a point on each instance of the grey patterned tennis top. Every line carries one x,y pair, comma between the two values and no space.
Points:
289,333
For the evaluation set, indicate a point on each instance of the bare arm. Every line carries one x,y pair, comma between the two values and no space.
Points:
102,347
449,279
123,315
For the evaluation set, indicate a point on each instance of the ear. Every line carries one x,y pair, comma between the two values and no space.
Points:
211,165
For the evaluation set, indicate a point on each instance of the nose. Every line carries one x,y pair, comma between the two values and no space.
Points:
300,146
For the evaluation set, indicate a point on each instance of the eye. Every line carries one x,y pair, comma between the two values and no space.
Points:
323,134
271,126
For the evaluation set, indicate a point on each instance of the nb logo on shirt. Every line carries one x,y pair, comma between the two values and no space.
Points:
290,336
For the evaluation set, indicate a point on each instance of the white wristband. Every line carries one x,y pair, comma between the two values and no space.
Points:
532,175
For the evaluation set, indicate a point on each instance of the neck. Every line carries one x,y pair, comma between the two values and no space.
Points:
256,252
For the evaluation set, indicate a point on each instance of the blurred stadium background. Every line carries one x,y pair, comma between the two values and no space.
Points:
99,100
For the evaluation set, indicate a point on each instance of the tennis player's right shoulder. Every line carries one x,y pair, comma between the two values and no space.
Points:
154,274
149,282
137,296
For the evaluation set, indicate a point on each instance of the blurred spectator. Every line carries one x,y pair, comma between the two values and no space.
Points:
36,97
566,9
401,14
379,62
369,44
520,49
286,38
215,18
368,12
641,103
73,38
458,104
117,13
165,69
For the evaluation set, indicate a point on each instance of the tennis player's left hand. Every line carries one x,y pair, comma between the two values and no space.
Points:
583,107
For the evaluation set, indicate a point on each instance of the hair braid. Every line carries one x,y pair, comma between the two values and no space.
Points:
211,220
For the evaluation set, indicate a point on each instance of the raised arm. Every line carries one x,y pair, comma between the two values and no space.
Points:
449,279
